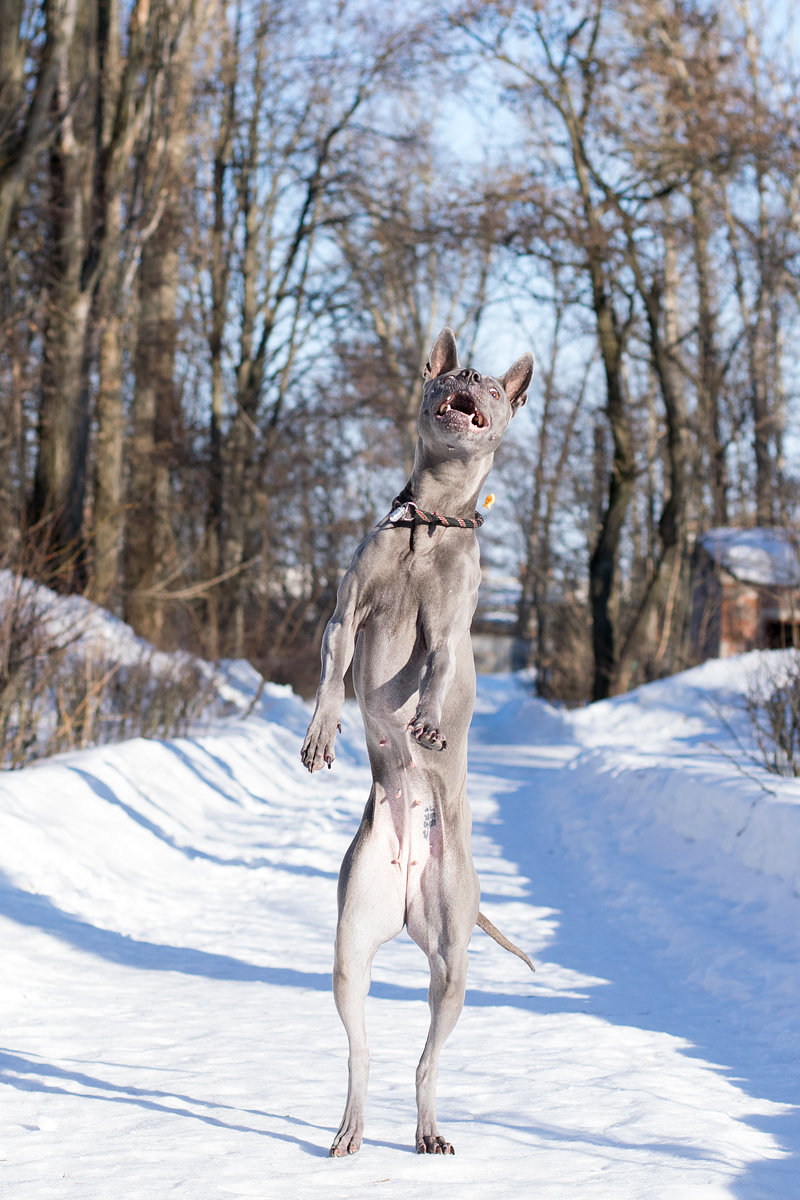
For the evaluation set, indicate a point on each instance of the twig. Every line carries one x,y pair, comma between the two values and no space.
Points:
739,767
743,750
256,698
197,589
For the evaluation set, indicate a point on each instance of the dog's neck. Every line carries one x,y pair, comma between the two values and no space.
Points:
449,486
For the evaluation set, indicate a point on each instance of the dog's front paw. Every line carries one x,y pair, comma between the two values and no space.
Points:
318,746
426,731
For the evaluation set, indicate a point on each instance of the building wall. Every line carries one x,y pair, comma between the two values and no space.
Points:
732,617
740,626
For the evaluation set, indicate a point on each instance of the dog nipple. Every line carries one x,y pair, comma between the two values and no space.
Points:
395,862
413,862
412,763
383,742
398,793
416,803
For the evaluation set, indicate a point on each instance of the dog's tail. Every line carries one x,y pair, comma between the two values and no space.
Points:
495,933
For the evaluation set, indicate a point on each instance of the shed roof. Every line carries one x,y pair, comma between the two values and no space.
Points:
770,557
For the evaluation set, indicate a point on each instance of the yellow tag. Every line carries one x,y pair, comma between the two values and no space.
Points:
489,501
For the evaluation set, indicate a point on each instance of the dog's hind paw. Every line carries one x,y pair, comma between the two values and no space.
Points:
431,1144
347,1140
341,1151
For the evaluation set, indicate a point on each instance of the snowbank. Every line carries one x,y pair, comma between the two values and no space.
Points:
83,628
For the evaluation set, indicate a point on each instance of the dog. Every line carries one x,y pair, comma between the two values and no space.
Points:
403,618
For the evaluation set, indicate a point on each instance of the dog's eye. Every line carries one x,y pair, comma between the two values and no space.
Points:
494,392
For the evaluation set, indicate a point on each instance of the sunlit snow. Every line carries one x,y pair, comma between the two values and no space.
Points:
168,911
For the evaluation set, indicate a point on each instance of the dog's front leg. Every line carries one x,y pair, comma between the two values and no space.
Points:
438,672
338,645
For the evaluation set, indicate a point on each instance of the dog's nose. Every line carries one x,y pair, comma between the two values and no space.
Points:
470,376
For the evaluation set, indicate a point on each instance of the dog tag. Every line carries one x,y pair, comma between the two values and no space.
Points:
398,513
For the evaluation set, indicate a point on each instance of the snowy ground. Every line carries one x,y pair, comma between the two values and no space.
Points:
167,922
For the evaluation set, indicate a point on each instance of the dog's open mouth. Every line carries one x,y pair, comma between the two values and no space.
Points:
462,402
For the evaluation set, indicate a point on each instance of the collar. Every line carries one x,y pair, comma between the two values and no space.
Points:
410,513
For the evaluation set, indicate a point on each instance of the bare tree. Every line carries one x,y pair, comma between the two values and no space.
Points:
102,104
417,259
149,544
553,72
281,148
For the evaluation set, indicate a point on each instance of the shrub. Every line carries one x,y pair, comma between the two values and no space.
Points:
772,704
59,693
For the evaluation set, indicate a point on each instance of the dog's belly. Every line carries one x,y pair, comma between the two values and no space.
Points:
413,844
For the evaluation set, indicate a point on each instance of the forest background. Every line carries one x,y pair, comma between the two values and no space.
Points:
229,233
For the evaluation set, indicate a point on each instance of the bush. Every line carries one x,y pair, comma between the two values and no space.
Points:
772,704
58,693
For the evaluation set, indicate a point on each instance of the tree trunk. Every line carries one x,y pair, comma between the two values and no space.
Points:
758,344
220,271
148,537
149,542
672,523
63,432
611,340
603,561
108,505
709,372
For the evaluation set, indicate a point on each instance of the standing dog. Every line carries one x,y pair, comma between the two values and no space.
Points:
403,615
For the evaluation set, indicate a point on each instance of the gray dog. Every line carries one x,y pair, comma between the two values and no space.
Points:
404,611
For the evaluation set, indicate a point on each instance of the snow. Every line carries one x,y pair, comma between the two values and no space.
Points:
770,557
167,913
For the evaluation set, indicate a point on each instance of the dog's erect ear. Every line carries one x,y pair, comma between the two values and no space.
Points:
517,379
444,355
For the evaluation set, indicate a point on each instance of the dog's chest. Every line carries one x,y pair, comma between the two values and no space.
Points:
438,568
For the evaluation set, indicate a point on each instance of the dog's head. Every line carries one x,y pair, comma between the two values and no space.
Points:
465,412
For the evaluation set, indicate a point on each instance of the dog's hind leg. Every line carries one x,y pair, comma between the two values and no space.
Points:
439,923
446,999
372,904
351,979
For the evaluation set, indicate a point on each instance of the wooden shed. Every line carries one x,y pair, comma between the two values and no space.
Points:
746,591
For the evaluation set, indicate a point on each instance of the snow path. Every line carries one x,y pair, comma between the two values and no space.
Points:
167,914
